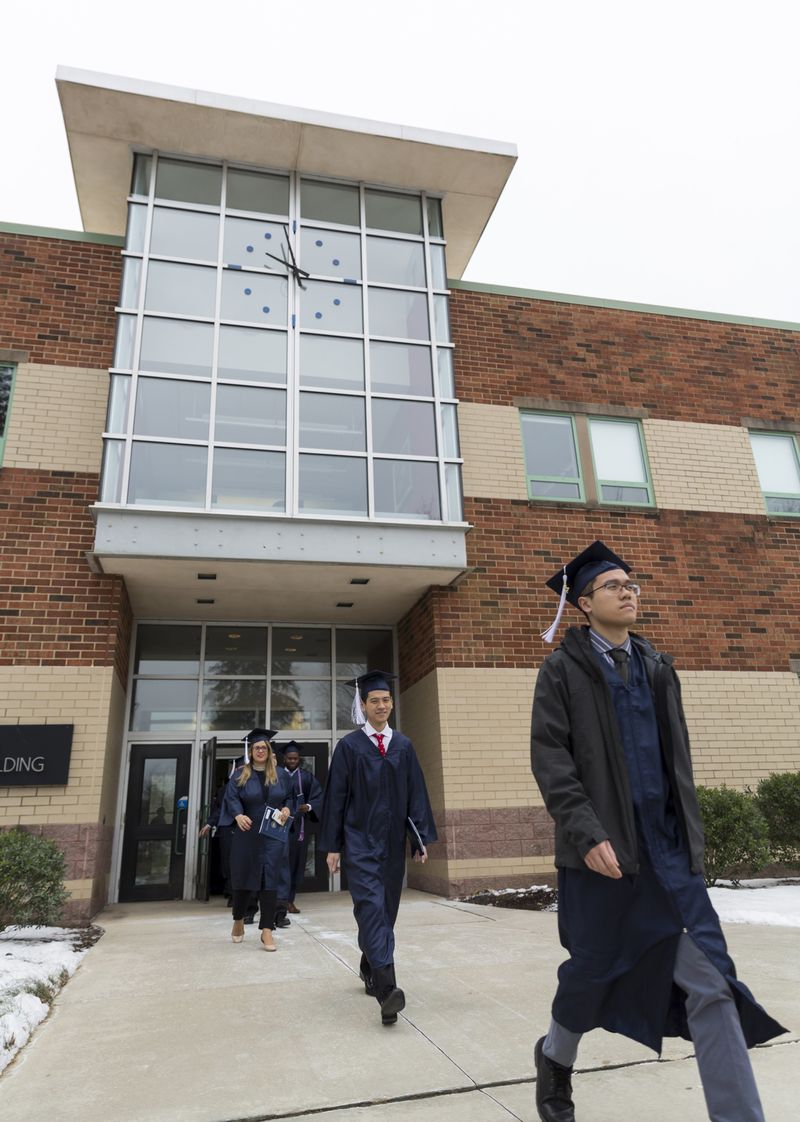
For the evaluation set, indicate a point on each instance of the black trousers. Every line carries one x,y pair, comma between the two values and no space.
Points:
266,905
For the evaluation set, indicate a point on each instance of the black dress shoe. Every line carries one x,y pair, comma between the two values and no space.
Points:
390,998
249,919
365,974
283,921
553,1088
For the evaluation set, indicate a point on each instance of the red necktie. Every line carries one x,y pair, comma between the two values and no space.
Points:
381,747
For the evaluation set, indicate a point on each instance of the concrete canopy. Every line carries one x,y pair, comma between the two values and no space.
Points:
108,118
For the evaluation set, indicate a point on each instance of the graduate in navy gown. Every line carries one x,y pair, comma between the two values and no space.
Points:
610,752
256,860
305,802
375,797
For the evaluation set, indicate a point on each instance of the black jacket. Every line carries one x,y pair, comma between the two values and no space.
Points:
578,759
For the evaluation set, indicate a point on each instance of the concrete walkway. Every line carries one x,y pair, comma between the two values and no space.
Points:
168,1021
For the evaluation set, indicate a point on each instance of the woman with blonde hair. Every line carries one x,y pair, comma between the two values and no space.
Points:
255,801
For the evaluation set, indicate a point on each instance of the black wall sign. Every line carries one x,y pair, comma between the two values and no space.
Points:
35,755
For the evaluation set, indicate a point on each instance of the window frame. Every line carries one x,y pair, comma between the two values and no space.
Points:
600,483
9,368
794,439
531,477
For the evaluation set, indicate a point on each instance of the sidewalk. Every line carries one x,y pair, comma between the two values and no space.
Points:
168,1021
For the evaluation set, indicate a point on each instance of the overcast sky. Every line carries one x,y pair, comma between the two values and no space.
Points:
659,143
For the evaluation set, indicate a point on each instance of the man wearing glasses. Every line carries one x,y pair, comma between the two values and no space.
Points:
610,752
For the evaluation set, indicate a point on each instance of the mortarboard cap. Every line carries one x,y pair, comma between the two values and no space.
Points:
363,684
289,746
254,736
570,581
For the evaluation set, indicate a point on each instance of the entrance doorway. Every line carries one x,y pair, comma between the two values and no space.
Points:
154,841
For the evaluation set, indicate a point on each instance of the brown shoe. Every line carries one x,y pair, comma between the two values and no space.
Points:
267,942
293,910
237,931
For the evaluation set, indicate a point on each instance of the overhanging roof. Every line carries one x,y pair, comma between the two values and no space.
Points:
107,118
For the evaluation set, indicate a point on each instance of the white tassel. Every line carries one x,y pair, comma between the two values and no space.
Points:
356,711
246,751
549,634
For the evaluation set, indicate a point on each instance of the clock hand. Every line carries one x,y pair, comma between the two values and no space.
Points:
298,272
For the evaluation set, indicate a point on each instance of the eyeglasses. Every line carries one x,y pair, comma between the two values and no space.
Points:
616,586
259,748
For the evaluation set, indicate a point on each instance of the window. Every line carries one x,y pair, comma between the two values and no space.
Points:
6,384
575,458
241,384
778,466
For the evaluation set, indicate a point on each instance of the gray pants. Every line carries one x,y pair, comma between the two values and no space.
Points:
725,1070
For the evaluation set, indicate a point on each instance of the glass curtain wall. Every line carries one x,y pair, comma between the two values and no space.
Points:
283,348
224,679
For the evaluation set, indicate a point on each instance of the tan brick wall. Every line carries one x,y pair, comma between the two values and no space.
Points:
491,444
57,416
702,467
743,726
87,697
420,720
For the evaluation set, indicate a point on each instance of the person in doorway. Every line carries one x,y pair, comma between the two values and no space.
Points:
305,803
374,796
610,753
256,859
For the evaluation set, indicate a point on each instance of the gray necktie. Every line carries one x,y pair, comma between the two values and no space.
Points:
621,665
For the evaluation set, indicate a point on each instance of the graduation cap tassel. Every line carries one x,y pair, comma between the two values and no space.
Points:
356,711
549,634
246,751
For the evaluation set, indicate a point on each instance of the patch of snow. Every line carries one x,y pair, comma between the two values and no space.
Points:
758,902
30,957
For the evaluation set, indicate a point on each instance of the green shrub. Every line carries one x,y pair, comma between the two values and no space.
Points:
31,880
778,799
736,834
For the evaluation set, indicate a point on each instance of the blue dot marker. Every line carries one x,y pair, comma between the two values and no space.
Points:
317,242
265,310
317,315
268,235
249,249
248,292
337,301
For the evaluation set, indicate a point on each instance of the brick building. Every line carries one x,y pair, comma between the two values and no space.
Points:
228,484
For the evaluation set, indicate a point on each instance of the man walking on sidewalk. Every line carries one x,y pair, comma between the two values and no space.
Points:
374,797
610,752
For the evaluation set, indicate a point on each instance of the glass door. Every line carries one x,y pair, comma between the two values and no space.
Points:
154,841
208,759
314,758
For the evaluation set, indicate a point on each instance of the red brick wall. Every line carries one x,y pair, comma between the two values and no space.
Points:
57,299
679,369
54,611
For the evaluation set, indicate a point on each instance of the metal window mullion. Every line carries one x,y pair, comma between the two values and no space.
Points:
362,212
292,453
444,513
212,407
200,680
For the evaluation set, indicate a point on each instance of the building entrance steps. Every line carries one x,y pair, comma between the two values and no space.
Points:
168,1021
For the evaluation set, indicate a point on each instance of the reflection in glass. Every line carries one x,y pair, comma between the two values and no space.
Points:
331,363
300,705
389,210
333,484
444,360
233,703
168,407
406,488
435,225
167,475
438,267
400,315
244,480
123,350
550,489
237,651
549,446
331,307
776,463
253,297
163,651
158,792
454,494
131,278
184,233
249,240
450,446
329,202
164,706
777,504
442,317
175,346
329,253
332,421
252,356
396,262
255,190
616,493
407,427
111,481
617,451
188,182
301,652
401,368
246,415
359,650
119,393
137,222
140,182
181,289
153,859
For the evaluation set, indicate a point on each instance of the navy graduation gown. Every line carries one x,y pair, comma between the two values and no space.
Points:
623,935
256,862
368,801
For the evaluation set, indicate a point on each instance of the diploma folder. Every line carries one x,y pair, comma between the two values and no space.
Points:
416,840
272,829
